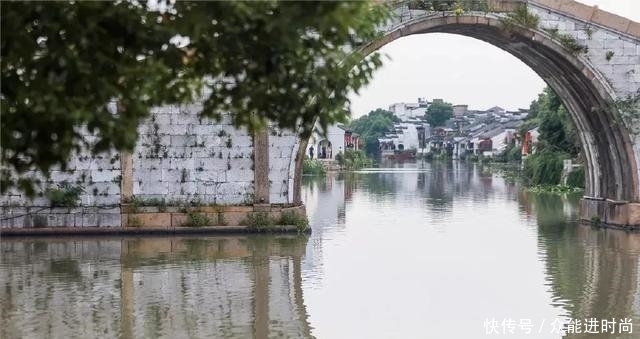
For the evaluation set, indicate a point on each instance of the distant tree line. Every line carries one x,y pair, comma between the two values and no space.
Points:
372,126
377,123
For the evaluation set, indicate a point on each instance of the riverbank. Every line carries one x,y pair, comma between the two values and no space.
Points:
123,231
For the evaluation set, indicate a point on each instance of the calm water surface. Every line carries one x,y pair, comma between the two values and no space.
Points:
416,251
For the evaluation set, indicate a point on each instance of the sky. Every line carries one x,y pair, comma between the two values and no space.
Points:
460,70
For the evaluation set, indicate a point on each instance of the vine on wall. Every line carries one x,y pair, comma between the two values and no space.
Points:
629,111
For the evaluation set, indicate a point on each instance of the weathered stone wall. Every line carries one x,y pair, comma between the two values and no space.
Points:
183,157
180,158
98,176
615,54
282,150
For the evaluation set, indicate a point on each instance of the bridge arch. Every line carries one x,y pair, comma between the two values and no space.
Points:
612,157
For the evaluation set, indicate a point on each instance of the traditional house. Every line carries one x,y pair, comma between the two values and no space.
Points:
337,139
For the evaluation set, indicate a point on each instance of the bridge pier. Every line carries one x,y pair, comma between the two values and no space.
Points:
613,213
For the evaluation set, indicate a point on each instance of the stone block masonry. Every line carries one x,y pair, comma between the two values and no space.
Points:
180,158
611,48
183,157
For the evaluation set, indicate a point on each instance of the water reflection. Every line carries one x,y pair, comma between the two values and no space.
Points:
414,251
582,272
227,287
592,273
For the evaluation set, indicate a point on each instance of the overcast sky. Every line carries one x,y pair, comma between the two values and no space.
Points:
460,70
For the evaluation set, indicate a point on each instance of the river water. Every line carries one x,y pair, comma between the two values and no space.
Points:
415,251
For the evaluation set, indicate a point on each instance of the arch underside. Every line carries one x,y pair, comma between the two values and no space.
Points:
608,151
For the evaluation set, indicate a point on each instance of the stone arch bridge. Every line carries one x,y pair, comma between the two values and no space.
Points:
590,57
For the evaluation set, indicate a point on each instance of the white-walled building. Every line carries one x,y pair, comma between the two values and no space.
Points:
405,136
406,111
337,139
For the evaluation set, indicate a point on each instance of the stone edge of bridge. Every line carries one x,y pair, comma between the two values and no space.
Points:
593,15
133,231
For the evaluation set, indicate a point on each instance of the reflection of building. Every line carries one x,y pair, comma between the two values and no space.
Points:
247,287
324,199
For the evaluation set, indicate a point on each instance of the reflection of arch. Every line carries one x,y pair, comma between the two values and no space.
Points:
594,271
324,149
245,276
612,170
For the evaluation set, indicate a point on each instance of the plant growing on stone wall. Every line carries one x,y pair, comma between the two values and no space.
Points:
629,110
249,198
291,218
66,195
162,205
520,17
196,202
258,221
609,55
198,220
449,5
570,43
458,9
588,31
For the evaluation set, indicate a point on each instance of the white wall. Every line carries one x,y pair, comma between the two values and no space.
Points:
335,135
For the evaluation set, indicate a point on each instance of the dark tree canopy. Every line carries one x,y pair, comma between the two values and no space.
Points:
558,140
557,132
372,126
438,113
62,62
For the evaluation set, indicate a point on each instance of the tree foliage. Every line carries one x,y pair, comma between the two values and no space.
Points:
63,62
352,160
372,126
438,113
558,140
543,168
557,131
